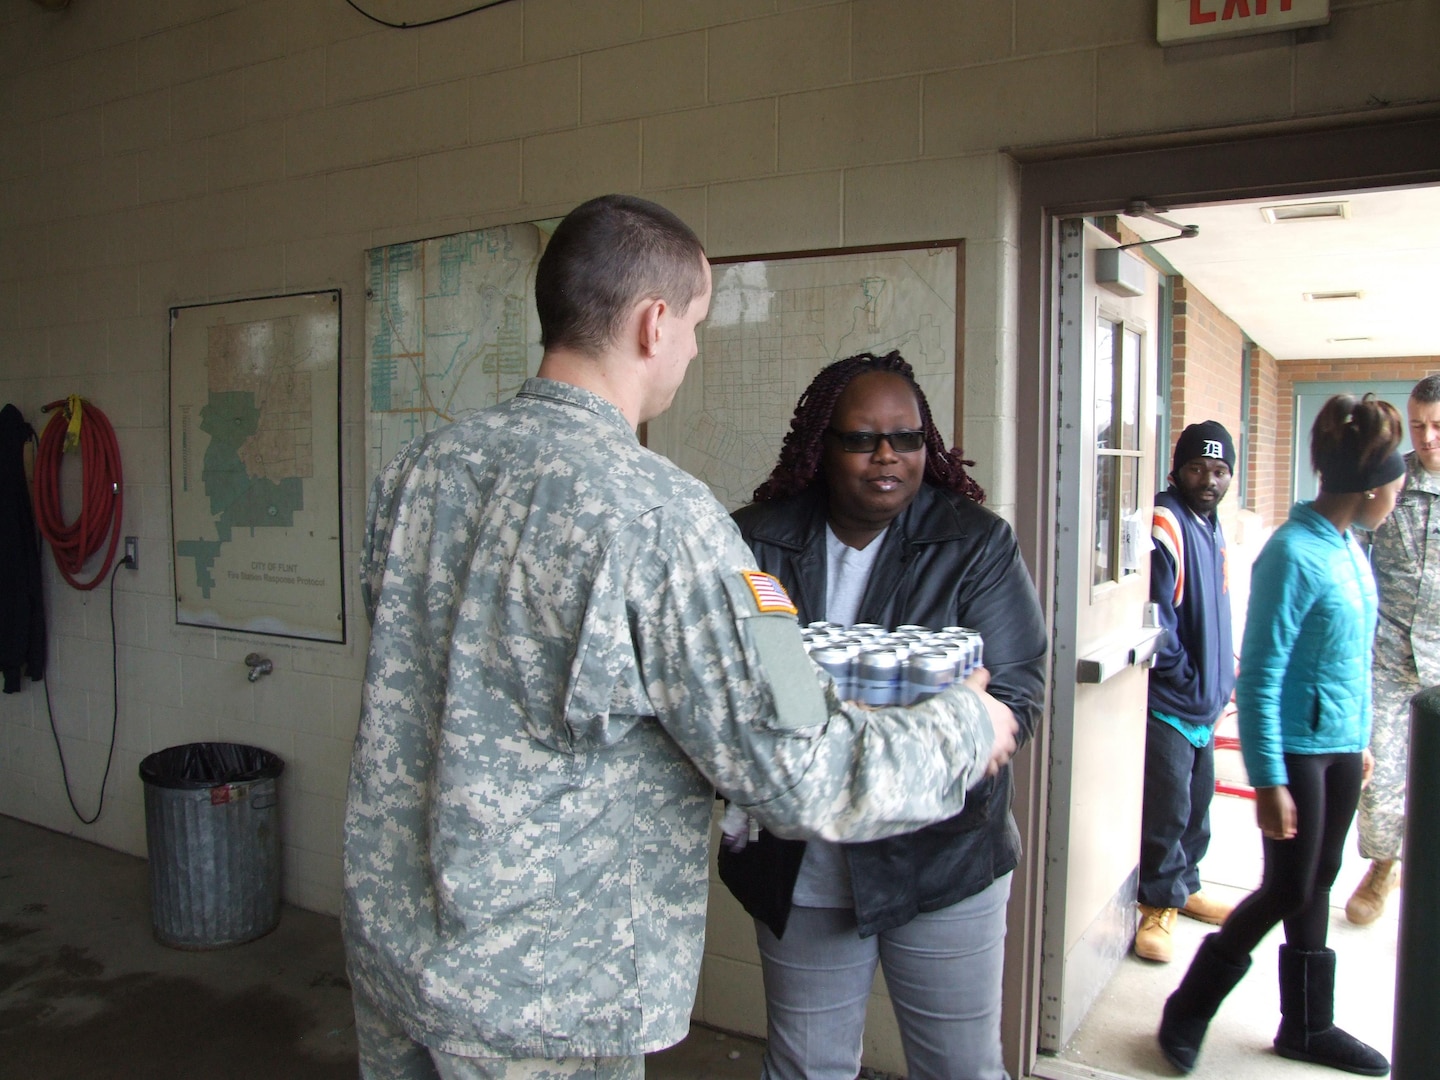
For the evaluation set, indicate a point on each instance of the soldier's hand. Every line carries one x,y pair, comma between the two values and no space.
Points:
1002,720
1367,767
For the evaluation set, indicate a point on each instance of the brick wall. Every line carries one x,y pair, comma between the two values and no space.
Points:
1265,494
1205,375
1208,350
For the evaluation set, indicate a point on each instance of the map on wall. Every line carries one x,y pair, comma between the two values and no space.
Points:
450,327
254,463
774,323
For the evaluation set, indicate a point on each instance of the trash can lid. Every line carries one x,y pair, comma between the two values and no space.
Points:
209,764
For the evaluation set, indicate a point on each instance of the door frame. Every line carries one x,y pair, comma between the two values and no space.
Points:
1096,759
1207,167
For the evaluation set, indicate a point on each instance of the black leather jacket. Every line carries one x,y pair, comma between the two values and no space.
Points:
945,561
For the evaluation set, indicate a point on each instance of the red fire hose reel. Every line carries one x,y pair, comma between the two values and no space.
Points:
79,424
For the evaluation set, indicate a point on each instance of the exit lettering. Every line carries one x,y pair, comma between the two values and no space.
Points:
1234,9
1180,22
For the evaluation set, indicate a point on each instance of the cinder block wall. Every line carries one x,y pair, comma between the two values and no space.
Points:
159,154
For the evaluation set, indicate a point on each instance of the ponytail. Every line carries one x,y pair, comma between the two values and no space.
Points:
1353,444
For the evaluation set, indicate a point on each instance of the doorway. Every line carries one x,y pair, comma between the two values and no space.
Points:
1052,192
1309,397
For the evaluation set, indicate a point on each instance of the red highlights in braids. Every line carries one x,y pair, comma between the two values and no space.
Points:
800,456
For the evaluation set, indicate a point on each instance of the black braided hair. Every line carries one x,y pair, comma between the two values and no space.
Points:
802,451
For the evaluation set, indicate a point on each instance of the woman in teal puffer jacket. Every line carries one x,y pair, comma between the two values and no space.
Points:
1303,703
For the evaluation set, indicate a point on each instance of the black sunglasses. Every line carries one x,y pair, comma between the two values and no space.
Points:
865,442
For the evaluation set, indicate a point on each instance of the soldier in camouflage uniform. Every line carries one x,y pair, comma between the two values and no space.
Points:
570,651
1406,556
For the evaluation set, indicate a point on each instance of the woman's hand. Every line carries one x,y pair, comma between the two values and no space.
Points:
1367,767
1002,721
1275,812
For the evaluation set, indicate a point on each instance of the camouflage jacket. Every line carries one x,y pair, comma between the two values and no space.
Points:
569,653
1406,556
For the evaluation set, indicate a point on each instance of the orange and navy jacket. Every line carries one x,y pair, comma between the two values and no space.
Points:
1194,672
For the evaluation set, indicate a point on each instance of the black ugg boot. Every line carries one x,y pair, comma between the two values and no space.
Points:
1307,1009
1189,1010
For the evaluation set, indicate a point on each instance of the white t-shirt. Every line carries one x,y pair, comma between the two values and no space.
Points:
824,879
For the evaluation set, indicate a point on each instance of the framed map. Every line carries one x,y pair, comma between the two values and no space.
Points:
776,320
255,465
450,327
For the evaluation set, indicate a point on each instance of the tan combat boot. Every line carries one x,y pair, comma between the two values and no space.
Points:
1207,909
1368,903
1153,940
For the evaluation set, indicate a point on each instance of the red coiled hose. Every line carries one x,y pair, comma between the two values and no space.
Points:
102,487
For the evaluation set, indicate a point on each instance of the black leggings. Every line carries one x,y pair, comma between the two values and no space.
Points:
1300,871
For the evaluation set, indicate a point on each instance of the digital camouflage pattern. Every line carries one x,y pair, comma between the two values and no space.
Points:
565,661
1406,556
388,1053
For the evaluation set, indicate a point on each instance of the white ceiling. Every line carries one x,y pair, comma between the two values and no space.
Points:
1256,272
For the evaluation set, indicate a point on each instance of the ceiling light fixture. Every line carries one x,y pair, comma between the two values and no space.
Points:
1345,340
1282,213
1345,294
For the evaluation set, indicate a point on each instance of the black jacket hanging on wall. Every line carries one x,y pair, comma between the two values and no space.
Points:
22,610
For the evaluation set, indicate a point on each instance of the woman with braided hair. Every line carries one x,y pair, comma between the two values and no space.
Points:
867,517
800,455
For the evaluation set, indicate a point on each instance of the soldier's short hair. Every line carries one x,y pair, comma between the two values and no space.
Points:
1427,390
606,255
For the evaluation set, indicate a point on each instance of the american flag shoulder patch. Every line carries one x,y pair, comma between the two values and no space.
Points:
769,594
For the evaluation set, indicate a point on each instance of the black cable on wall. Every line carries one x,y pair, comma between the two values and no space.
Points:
427,22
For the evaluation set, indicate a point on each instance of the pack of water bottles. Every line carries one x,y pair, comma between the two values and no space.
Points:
877,666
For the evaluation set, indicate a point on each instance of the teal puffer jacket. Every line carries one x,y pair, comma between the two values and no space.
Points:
1304,683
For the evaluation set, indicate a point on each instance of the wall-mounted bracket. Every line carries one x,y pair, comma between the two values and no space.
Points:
1142,209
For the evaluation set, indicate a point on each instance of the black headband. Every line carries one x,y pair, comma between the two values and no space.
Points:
1348,476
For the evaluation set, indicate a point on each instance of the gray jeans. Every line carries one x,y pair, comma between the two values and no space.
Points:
943,970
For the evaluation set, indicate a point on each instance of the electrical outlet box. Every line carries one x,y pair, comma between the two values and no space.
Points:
132,552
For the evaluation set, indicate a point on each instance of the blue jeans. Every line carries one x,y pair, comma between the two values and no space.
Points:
1174,815
943,970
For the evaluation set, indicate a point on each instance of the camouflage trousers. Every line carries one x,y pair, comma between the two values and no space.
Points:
1382,802
388,1053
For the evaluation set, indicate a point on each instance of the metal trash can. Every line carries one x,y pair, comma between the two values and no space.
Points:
212,828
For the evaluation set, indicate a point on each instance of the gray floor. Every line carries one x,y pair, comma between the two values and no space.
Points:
1118,1036
87,992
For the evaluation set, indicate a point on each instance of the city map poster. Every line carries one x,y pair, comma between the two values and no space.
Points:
254,465
450,328
776,320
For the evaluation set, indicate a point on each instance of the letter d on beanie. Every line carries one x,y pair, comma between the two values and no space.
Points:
1207,440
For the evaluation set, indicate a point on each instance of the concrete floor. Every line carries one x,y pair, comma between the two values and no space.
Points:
1117,1038
87,992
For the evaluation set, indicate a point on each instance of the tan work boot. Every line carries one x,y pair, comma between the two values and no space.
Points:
1152,940
1368,903
1206,909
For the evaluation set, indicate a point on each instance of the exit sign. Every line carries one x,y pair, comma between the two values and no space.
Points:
1181,22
